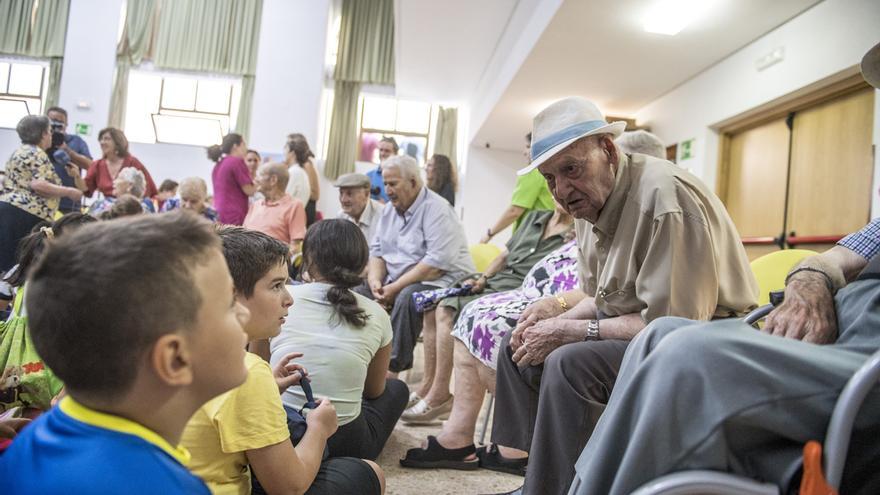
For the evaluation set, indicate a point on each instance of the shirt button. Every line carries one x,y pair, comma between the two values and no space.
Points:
532,250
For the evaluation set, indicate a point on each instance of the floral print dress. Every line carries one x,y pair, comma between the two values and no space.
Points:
485,321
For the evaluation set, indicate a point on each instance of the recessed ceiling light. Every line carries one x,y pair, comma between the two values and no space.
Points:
669,17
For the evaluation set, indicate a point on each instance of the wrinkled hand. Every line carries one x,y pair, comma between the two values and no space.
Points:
541,309
323,418
477,284
10,427
388,293
807,312
543,337
72,170
288,374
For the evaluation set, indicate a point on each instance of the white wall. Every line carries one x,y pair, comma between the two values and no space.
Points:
486,190
290,65
823,41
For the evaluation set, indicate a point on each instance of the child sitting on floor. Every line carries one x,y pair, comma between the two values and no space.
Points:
139,319
248,426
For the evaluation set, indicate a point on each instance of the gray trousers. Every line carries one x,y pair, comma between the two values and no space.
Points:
725,397
406,323
550,410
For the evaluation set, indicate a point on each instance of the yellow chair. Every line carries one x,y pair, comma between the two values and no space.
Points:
483,254
770,270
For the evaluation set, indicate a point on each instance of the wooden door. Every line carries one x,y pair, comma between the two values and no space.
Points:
831,170
754,189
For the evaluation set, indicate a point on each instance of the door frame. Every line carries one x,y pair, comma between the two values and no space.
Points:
840,84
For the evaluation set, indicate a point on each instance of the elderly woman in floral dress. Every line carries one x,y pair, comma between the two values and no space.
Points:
478,332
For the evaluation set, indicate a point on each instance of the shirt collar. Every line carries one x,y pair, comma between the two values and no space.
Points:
119,424
610,214
368,213
286,198
422,196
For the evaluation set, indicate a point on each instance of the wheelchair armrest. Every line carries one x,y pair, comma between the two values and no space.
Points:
757,314
705,482
845,411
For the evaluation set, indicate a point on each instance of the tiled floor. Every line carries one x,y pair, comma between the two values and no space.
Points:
406,481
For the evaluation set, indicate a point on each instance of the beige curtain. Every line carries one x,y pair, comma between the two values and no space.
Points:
342,144
213,36
133,48
365,56
366,42
36,29
447,129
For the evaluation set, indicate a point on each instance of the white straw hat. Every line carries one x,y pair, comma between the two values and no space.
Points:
563,123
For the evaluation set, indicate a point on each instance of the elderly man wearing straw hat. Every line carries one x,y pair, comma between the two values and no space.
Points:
654,241
751,400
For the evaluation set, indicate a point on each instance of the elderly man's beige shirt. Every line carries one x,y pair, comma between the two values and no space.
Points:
664,245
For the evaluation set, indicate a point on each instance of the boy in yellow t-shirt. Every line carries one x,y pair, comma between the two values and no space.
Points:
245,430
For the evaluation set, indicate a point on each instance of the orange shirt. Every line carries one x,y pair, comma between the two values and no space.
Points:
284,219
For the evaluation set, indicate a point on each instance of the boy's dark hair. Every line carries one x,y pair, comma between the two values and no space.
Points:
31,247
168,185
250,255
338,250
92,322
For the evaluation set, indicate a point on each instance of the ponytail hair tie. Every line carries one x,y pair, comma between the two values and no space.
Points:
50,234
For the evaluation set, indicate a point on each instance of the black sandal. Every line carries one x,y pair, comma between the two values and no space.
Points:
491,459
437,456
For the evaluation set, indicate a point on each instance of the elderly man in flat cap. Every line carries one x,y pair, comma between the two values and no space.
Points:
723,396
654,241
357,205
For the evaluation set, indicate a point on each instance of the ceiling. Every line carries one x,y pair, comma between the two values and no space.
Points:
592,48
443,47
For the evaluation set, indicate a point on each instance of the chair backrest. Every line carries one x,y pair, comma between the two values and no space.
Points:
770,270
483,254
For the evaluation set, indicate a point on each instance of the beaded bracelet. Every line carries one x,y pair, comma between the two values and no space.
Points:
828,280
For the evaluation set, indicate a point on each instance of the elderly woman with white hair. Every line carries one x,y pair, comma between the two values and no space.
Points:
192,195
419,244
129,181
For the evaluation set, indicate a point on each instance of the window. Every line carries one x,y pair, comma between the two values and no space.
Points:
408,122
180,109
22,89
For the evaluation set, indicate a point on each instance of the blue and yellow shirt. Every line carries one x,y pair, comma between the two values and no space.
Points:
75,449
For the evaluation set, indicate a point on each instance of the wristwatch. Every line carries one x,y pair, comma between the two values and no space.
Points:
592,330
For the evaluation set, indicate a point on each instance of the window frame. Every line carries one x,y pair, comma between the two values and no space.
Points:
234,87
385,132
23,98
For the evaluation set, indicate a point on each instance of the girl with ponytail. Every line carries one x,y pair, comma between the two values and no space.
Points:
345,339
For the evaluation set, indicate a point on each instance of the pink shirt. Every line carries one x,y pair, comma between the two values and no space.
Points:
230,201
284,219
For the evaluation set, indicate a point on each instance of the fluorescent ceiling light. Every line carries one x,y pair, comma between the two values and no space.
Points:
669,17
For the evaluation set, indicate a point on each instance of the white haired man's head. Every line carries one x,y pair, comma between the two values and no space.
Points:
403,181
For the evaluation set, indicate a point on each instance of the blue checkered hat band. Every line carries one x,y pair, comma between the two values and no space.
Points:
561,136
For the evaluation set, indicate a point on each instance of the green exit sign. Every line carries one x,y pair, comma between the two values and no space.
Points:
83,129
686,149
